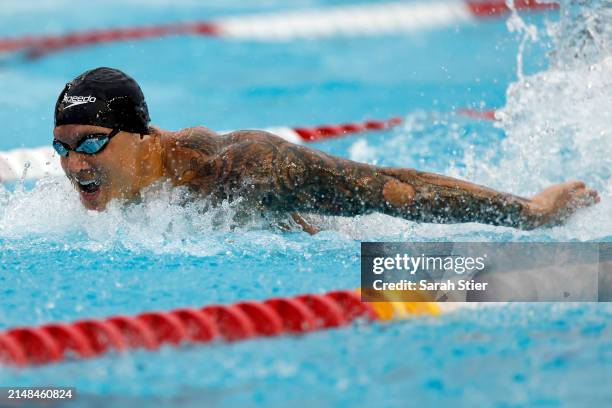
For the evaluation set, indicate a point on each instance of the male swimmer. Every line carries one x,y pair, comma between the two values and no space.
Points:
109,151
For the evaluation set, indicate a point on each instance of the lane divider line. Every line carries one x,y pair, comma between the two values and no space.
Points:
55,342
360,20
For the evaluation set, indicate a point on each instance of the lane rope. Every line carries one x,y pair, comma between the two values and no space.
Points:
360,20
55,342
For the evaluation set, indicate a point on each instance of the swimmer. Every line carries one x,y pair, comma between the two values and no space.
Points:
109,151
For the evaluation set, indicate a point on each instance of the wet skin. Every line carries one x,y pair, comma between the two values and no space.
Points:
121,170
273,174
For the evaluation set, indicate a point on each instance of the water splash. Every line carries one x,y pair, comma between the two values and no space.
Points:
557,121
583,35
555,127
527,32
165,221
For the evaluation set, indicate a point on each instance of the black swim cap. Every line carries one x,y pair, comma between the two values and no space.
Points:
103,97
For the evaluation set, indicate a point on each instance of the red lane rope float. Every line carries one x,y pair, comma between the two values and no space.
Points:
166,327
100,335
478,114
11,351
345,20
265,320
351,304
68,338
198,326
37,345
326,311
232,323
493,8
23,346
297,317
135,333
311,134
38,46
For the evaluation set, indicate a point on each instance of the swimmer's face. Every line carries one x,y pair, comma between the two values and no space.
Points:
101,177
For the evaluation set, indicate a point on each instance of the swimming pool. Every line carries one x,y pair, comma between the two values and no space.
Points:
61,263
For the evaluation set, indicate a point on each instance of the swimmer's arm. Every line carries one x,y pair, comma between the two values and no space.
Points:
430,197
291,178
311,181
307,180
423,197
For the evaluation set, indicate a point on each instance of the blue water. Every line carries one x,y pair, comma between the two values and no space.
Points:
59,262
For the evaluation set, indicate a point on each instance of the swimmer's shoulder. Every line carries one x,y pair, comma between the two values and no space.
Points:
253,136
199,139
186,150
189,137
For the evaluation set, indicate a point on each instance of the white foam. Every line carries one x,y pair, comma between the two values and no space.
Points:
160,222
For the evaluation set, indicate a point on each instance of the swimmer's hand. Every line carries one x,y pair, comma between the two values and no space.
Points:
555,204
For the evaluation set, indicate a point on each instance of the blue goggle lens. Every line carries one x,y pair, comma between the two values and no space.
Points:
60,149
92,145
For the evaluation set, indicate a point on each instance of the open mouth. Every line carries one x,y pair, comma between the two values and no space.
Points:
89,187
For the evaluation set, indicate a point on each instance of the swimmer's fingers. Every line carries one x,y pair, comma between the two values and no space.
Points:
580,196
306,226
585,197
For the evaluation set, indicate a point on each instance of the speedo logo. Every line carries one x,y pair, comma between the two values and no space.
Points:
77,100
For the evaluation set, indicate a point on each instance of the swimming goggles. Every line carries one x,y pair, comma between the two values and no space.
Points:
90,144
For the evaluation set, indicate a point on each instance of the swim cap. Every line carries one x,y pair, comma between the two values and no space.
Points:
103,97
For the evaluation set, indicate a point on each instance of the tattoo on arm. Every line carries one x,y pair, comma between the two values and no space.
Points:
315,181
444,199
286,177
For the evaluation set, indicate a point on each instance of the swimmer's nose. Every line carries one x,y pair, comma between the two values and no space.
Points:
75,163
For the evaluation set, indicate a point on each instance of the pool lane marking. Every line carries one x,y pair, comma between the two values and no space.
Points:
492,8
360,20
54,342
43,161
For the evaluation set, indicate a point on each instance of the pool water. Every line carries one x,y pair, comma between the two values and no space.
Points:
59,262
